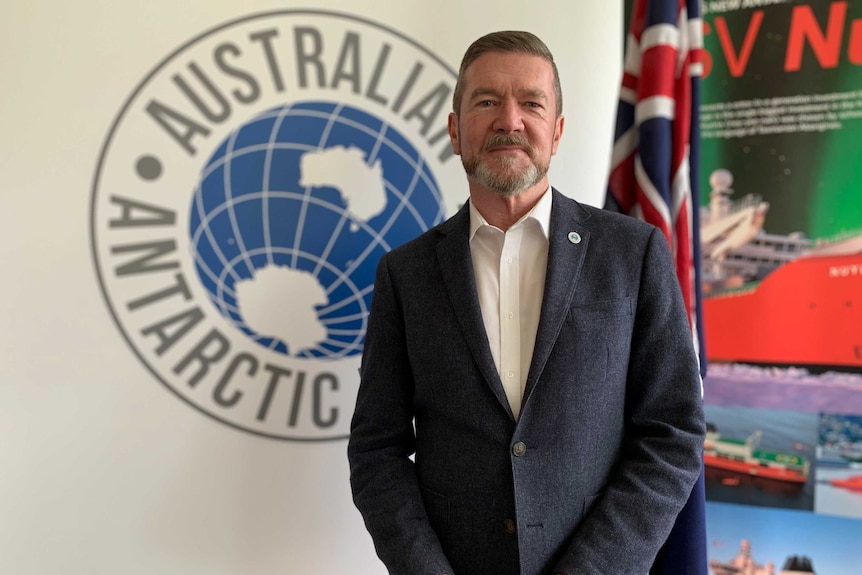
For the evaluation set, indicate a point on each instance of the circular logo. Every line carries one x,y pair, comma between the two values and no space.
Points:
243,198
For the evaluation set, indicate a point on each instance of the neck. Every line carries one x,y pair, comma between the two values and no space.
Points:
503,212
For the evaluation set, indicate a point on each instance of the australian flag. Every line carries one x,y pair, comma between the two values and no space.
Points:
653,177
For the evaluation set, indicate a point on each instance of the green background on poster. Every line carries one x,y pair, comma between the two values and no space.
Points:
782,110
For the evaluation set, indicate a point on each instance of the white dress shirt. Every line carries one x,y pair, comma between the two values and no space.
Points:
510,279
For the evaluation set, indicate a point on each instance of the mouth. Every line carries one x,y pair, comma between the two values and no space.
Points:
507,144
507,149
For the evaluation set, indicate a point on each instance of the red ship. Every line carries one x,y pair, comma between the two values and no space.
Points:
773,299
746,457
853,483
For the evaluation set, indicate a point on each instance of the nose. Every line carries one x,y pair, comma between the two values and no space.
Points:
509,117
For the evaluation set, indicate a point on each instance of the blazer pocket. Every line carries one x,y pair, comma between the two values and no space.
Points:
600,311
437,508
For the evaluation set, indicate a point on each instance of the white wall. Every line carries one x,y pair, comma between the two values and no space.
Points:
102,469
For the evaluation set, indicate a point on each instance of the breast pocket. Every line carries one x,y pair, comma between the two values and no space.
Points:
597,337
601,312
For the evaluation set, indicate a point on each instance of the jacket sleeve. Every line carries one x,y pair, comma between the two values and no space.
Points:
662,450
382,439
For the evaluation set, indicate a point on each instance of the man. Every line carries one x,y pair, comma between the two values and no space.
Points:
533,353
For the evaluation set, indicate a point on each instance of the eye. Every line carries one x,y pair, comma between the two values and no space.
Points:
533,105
486,103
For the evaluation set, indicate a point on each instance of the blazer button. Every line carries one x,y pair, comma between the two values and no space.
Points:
519,449
510,526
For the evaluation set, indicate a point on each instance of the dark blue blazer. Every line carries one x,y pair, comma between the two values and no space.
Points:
609,442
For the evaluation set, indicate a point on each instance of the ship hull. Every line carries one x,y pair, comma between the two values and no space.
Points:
808,312
753,468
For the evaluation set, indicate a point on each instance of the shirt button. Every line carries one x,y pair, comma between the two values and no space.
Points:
510,315
519,449
508,260
509,526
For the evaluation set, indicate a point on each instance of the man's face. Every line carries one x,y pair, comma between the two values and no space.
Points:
507,128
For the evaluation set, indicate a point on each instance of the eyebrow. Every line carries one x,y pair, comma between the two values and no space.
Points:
534,93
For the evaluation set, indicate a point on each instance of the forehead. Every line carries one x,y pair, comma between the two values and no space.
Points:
509,69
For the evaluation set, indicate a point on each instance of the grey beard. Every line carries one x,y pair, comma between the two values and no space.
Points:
507,184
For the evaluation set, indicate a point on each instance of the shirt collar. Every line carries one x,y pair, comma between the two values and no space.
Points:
541,213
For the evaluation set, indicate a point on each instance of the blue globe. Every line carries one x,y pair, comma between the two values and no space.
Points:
280,192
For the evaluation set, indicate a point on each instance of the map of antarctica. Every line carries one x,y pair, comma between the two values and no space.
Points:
296,323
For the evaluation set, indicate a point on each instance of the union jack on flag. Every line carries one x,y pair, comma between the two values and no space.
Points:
657,135
653,177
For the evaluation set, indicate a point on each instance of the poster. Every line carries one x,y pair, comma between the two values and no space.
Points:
781,115
781,233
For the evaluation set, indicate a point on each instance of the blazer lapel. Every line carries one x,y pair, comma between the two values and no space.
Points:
456,265
566,254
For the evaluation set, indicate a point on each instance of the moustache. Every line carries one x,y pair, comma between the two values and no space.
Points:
504,140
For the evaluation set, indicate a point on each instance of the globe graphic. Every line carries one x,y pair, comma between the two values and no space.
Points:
291,215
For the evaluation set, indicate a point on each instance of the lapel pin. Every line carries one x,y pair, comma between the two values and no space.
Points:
575,237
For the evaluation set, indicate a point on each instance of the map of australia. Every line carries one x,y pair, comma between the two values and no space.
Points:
361,185
279,301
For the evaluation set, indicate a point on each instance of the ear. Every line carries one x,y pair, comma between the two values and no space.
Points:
558,133
453,134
